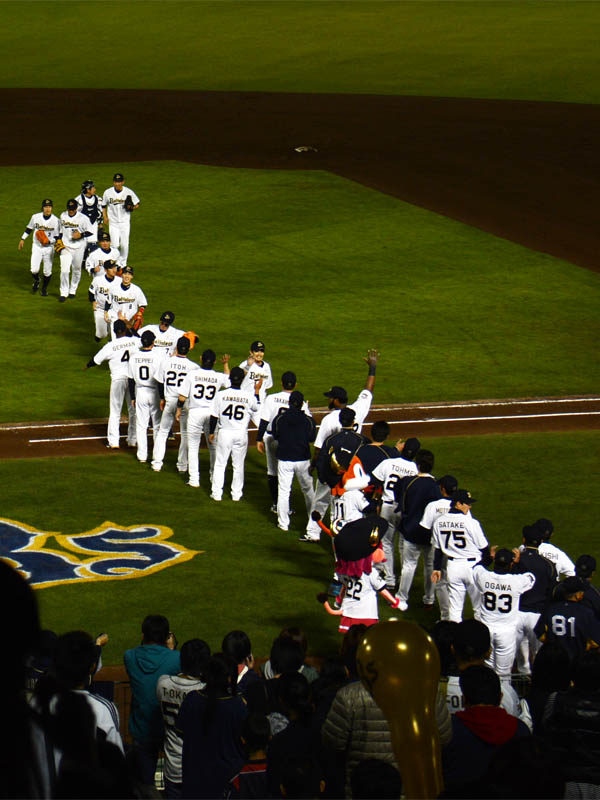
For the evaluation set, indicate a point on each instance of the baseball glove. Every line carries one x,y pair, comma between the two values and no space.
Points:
58,245
137,320
128,204
192,337
42,237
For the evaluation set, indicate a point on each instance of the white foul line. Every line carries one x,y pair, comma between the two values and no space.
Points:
501,416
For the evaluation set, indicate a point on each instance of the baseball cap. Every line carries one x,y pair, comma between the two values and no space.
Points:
347,416
449,483
296,399
209,357
463,496
147,338
532,535
127,270
337,393
288,380
119,326
183,345
504,558
236,376
411,448
71,205
168,317
257,345
572,585
545,527
584,566
103,236
47,202
118,177
110,264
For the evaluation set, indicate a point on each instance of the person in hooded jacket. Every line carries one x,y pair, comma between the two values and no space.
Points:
145,664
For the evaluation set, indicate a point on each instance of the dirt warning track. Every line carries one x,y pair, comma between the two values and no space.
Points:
468,418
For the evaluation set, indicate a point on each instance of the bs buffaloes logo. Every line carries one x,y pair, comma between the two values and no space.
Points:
109,552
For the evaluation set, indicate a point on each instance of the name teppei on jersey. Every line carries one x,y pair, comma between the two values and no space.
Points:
108,552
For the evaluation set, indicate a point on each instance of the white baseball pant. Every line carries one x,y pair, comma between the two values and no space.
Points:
100,324
118,391
410,558
441,593
388,542
321,502
527,642
198,423
119,238
460,581
271,453
285,476
160,440
42,256
234,443
504,645
147,411
70,264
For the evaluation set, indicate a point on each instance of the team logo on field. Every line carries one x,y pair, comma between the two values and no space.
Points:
107,553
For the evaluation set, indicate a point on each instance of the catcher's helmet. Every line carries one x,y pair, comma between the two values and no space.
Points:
86,185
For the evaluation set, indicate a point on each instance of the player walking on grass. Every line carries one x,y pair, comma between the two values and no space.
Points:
46,230
257,376
100,254
75,230
200,389
125,298
165,335
143,390
231,411
117,353
118,203
98,294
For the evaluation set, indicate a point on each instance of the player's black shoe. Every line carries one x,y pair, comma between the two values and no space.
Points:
62,299
71,295
36,285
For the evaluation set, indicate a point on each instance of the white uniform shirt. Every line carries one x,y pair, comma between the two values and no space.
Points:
346,508
389,472
164,339
101,287
509,702
458,536
254,372
275,404
113,202
233,407
562,562
201,387
331,422
434,510
97,258
500,595
105,715
172,372
118,354
126,299
69,225
360,597
39,223
171,691
142,366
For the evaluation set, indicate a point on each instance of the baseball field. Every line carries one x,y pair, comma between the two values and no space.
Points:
445,213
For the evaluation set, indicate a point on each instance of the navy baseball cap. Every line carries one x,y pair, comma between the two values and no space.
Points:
72,205
168,317
103,236
504,558
183,345
572,585
119,326
585,566
117,177
462,496
449,483
127,270
296,399
288,380
532,535
257,345
110,264
337,393
147,338
47,202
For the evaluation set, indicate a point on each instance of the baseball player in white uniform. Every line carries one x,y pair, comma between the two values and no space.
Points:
170,376
388,473
143,390
75,229
117,353
118,202
565,568
200,388
125,298
231,411
42,253
330,424
448,484
165,335
100,254
89,204
499,608
99,293
459,536
257,375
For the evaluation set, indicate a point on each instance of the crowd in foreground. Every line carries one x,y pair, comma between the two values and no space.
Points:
228,729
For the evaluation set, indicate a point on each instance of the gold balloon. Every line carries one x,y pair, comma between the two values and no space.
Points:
400,667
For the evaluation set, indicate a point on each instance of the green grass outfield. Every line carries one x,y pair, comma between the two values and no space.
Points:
511,50
251,575
320,268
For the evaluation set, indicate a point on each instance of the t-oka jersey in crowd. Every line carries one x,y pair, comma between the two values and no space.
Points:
330,423
163,339
78,223
118,353
114,201
255,372
500,594
172,371
143,364
275,404
50,225
126,300
97,258
201,387
91,207
459,536
390,472
171,691
232,409
100,290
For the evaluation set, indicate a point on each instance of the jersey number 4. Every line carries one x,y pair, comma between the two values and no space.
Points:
234,412
125,356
